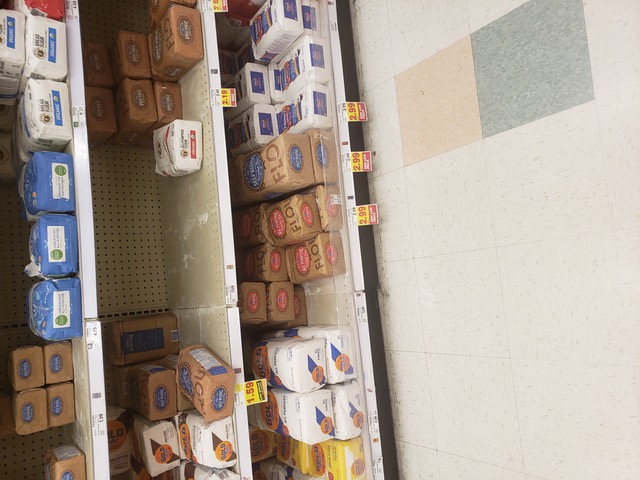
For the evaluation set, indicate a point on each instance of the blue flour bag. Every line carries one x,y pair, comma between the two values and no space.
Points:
53,247
47,184
55,309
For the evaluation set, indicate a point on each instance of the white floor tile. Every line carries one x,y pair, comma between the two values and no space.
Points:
547,178
578,421
562,300
420,29
483,12
453,467
628,272
417,463
474,409
393,234
613,30
382,130
461,304
620,130
448,199
411,397
372,44
399,307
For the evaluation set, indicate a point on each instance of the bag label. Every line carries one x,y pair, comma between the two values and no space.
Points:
257,82
56,244
57,108
11,32
61,309
142,341
208,361
52,45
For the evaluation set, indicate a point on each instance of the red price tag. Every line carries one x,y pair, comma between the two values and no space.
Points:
228,97
220,5
355,111
360,161
367,215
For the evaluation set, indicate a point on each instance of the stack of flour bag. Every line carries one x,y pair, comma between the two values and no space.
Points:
35,106
170,412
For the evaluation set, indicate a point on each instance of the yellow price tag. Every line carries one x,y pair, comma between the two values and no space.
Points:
355,111
360,161
220,5
254,391
228,97
367,215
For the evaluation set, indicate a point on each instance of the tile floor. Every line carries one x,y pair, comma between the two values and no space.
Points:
506,140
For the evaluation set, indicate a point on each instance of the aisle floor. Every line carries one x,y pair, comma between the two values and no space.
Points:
506,140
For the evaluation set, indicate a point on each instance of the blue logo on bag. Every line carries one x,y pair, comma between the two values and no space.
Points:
67,475
161,398
11,32
185,381
295,158
317,55
266,123
56,406
322,155
320,103
309,18
24,369
52,44
254,171
57,108
257,82
290,9
219,399
26,413
55,363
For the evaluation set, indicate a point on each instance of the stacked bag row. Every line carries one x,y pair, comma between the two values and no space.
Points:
173,408
146,110
43,395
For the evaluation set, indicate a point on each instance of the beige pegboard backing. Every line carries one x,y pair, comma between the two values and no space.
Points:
100,20
22,456
14,255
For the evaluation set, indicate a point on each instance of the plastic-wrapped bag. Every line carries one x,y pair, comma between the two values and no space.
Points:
55,309
53,247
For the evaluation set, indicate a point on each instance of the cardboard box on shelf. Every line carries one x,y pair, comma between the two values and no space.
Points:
144,338
158,8
171,362
63,463
135,110
119,430
30,411
7,425
265,263
158,444
130,56
154,391
326,168
253,303
101,115
293,220
207,381
61,404
211,444
176,44
168,98
329,203
247,228
58,362
280,302
26,368
122,385
97,65
320,257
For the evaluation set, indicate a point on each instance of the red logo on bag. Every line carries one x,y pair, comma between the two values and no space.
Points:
303,259
282,300
307,214
332,253
276,261
277,224
253,301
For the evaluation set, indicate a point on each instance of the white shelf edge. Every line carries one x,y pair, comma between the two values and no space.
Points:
97,452
244,466
348,185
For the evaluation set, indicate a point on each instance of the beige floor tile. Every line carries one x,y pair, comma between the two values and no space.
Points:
438,104
416,462
453,467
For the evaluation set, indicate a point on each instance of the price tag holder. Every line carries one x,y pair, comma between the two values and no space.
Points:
231,295
360,161
353,111
228,97
378,466
362,215
219,6
361,314
251,393
71,11
374,426
79,118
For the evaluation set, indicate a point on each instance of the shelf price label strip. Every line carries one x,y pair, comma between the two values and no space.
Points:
251,393
357,162
362,215
223,97
353,111
71,11
215,6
